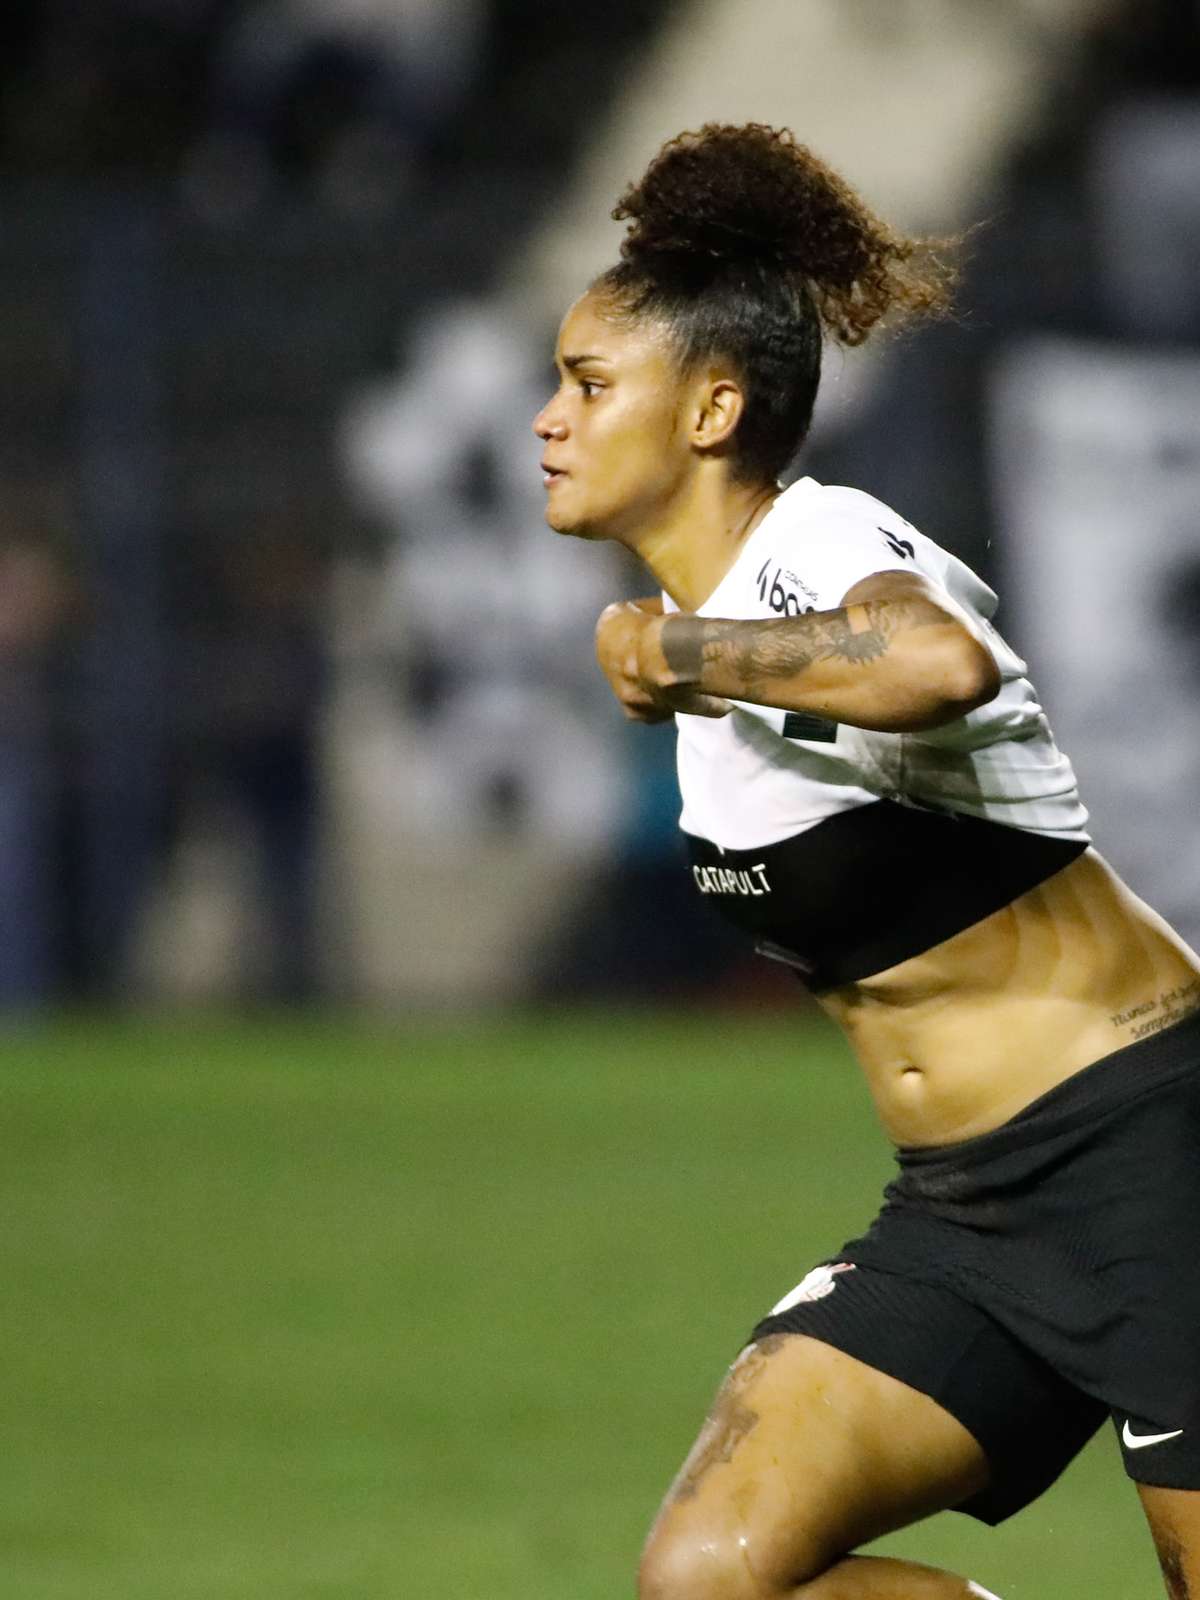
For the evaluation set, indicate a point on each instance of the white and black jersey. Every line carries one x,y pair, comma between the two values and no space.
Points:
844,851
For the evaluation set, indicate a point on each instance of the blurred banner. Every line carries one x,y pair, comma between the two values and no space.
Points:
1097,455
297,691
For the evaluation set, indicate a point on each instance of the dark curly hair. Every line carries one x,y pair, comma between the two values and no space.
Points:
746,245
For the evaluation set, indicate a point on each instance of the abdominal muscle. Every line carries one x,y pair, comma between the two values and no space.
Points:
958,1040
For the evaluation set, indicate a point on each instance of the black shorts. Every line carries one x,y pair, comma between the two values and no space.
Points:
1043,1276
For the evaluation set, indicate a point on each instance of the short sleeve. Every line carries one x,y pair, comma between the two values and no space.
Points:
855,541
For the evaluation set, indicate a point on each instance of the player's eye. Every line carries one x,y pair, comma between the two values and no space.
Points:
589,388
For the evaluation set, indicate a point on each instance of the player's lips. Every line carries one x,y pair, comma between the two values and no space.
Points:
551,474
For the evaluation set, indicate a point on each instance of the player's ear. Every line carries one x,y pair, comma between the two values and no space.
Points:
719,406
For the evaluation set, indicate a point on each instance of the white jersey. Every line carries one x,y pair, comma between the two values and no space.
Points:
762,775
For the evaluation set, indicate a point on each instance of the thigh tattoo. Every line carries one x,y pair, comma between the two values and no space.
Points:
731,1421
1170,1559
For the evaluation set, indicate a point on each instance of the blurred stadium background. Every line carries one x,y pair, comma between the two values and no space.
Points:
392,1156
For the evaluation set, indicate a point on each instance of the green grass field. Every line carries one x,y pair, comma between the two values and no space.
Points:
317,1311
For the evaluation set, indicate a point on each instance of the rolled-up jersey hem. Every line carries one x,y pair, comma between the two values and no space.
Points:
874,886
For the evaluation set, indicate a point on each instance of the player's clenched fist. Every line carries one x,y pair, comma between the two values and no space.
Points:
630,656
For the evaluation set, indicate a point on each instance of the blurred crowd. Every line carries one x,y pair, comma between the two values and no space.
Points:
250,256
224,219
232,98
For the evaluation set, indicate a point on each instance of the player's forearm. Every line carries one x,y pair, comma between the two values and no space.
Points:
891,665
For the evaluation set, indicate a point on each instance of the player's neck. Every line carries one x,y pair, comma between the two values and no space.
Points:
691,549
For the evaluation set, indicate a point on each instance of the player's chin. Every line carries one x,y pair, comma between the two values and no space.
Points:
571,523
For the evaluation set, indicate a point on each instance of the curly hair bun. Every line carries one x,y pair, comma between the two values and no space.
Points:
749,196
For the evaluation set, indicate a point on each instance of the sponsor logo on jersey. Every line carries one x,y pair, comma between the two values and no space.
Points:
778,590
803,725
724,880
819,1282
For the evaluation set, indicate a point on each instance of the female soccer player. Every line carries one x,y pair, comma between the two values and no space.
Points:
871,790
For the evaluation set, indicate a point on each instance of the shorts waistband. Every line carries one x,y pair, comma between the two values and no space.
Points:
1136,1069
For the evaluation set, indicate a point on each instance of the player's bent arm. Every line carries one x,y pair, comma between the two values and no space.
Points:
897,656
617,634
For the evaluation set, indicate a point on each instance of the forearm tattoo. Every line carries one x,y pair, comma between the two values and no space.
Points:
724,656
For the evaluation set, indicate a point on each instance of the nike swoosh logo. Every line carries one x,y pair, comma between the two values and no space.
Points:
1139,1441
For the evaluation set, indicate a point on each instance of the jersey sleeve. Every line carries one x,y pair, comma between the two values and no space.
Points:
854,545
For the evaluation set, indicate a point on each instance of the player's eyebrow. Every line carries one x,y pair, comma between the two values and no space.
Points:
571,362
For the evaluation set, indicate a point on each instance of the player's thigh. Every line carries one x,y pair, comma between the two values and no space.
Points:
806,1454
1174,1518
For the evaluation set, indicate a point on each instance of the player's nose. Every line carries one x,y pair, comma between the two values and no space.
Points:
548,424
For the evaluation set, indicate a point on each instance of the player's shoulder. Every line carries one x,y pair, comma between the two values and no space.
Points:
827,537
834,535
839,508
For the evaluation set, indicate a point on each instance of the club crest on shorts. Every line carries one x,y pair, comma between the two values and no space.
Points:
819,1282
